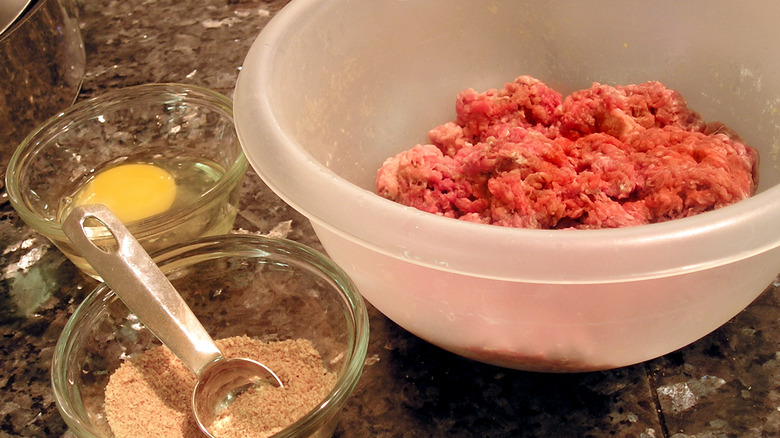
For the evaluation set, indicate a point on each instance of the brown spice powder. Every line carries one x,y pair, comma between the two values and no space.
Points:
149,395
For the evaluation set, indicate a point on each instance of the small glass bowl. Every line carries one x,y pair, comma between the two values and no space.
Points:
175,125
239,284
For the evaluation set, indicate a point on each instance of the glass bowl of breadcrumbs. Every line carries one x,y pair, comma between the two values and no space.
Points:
273,300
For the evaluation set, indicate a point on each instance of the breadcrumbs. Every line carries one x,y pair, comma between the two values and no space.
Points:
149,395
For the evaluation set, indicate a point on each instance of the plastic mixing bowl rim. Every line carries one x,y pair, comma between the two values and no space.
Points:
636,253
115,99
200,249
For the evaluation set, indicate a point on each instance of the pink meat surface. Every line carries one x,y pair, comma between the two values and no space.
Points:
603,157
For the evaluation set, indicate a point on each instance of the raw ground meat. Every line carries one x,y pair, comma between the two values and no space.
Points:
603,157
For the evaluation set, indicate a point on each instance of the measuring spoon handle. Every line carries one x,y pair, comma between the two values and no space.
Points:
146,291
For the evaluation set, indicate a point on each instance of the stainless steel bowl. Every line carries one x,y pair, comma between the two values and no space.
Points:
41,69
10,10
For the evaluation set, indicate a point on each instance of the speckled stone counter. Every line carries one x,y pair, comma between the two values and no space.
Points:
727,384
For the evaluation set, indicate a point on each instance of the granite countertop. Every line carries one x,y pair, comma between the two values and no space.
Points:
726,384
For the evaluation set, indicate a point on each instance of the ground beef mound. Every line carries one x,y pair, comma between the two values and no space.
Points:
603,157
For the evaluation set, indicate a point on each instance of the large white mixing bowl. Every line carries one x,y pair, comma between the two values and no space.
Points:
332,88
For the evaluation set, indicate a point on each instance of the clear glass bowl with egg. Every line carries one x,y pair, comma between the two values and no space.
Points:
270,290
164,158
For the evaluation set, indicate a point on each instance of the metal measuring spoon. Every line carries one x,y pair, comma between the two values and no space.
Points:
139,283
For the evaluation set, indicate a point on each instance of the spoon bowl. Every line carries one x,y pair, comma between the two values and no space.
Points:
221,382
139,283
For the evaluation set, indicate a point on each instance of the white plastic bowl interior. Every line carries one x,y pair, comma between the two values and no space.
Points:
325,96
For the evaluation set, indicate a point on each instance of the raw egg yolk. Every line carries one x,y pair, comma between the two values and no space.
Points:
131,191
